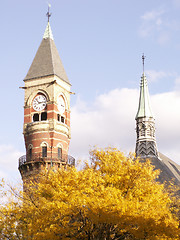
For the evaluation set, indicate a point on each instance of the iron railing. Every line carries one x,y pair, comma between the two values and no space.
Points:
64,158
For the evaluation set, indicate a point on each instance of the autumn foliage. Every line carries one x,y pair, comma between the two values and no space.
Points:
112,197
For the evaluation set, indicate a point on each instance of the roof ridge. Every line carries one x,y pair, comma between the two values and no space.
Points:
52,61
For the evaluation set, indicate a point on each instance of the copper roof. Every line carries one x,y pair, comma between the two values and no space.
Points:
144,109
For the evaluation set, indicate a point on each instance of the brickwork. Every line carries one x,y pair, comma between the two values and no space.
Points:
54,131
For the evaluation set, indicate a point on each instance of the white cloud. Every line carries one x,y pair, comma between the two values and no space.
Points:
167,113
155,24
3,174
151,22
163,38
107,123
159,24
145,30
177,83
153,15
158,21
154,76
9,156
110,120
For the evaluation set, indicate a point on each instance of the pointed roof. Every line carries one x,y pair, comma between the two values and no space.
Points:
169,170
47,60
144,109
173,167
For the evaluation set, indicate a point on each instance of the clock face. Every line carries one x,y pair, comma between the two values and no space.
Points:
39,103
61,104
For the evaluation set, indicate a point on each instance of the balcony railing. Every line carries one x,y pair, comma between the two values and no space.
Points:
66,159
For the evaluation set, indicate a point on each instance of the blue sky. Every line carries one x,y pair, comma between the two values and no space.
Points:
100,43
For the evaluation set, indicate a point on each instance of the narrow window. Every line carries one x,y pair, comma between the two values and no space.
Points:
43,116
59,152
36,117
44,151
62,119
58,117
30,153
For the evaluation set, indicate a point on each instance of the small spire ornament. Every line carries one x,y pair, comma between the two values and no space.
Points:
48,14
143,59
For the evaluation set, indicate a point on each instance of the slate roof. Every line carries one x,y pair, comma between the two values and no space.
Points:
47,60
169,170
173,167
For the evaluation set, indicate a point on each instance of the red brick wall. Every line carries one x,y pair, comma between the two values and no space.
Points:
52,138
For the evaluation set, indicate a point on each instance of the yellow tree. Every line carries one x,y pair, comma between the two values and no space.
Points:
113,197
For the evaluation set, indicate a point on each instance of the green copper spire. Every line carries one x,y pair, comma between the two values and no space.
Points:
145,123
144,109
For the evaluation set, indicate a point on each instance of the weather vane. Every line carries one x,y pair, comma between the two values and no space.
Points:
48,14
143,58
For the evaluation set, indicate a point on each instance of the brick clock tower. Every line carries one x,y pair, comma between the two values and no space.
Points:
46,112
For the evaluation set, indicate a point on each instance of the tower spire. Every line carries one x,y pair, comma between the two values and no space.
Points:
144,109
47,61
145,123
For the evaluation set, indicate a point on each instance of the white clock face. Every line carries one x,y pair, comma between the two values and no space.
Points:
61,104
39,103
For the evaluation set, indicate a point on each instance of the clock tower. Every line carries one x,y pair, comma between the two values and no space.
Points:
46,111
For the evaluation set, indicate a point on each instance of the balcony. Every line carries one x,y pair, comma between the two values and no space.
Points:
64,159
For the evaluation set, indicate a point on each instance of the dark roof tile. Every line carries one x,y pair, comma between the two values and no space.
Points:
47,62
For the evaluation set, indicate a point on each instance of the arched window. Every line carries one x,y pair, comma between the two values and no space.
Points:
44,149
30,151
59,147
59,152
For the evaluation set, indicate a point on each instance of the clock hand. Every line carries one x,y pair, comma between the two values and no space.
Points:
42,101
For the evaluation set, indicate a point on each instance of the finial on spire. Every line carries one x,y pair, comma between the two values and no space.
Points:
143,58
48,32
48,14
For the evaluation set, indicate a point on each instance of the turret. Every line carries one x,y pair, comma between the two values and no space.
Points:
145,123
